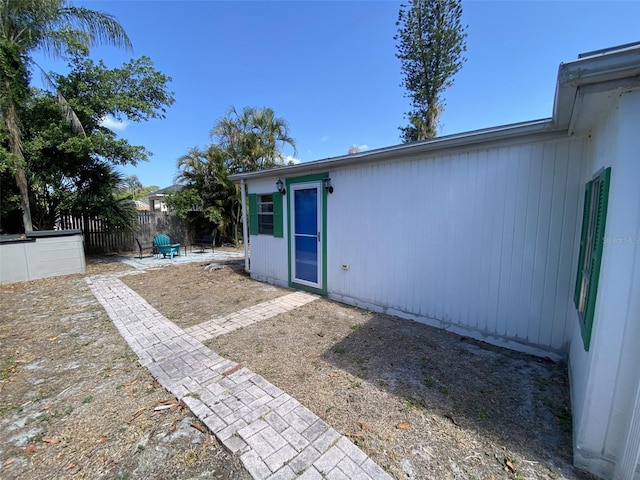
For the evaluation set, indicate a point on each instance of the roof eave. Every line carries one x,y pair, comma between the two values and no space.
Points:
475,137
610,67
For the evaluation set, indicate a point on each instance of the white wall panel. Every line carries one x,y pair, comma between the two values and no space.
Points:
605,380
482,239
268,254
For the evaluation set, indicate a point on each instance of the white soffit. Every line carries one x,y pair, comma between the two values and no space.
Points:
585,85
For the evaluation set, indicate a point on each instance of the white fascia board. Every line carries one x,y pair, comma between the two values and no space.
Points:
611,69
449,142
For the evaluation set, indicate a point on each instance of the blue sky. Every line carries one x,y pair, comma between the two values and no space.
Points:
329,67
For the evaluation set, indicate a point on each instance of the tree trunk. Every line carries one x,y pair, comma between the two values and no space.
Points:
15,147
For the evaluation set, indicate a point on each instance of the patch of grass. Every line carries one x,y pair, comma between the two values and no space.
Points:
429,382
339,349
359,442
43,417
141,447
193,395
356,384
87,399
562,413
444,390
7,368
541,382
192,456
37,437
410,402
328,409
355,326
259,350
311,317
121,476
6,408
484,413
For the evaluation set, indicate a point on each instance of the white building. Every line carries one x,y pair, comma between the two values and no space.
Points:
525,236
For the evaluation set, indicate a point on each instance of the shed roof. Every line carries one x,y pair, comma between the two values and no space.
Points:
581,88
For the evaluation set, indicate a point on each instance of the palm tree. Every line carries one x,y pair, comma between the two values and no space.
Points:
56,27
208,193
252,138
273,133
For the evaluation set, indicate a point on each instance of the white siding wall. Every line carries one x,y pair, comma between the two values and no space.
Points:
269,255
480,242
605,380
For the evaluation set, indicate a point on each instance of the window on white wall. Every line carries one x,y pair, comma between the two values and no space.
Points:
594,218
266,214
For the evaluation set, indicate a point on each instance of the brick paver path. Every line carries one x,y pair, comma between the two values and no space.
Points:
274,434
243,318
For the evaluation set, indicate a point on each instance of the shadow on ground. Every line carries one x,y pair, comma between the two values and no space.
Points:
518,403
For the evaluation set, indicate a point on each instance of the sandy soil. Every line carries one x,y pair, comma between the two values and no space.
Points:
75,404
423,403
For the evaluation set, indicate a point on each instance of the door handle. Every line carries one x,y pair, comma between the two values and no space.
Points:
318,236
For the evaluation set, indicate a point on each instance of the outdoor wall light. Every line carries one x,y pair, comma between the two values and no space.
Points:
280,187
326,183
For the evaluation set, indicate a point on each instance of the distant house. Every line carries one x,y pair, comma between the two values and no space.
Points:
141,206
525,236
155,200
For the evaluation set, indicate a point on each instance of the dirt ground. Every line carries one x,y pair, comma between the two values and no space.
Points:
75,404
423,403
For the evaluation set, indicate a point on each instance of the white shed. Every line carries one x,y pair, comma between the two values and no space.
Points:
525,236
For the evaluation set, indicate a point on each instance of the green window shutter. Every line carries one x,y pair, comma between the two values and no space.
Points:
583,242
600,220
253,214
277,215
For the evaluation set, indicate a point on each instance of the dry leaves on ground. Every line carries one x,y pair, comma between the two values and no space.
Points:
423,403
74,402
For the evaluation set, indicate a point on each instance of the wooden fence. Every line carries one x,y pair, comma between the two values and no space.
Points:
99,239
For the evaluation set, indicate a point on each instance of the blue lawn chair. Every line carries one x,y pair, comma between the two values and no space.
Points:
165,247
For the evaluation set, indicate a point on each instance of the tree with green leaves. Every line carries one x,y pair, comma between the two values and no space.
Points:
209,200
253,139
431,41
74,173
132,186
243,141
57,28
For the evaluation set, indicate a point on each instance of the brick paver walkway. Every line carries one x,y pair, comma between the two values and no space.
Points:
245,317
275,436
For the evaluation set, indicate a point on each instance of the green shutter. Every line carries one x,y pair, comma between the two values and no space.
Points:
253,214
596,255
277,215
583,242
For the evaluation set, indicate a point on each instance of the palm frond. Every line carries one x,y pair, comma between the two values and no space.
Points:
101,27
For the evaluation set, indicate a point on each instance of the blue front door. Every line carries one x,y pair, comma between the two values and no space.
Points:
307,234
